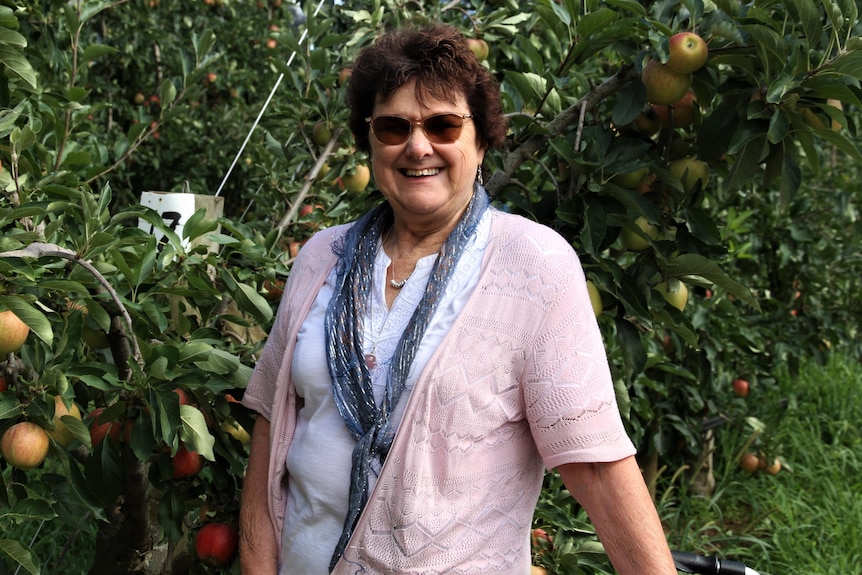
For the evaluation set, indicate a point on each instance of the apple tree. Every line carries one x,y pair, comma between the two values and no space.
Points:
685,189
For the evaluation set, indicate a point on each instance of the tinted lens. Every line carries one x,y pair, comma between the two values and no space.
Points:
443,128
391,130
440,129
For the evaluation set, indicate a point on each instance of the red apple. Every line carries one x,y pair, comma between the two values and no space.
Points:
3,384
683,112
740,387
344,76
688,52
216,544
663,85
25,445
183,395
187,463
13,333
98,429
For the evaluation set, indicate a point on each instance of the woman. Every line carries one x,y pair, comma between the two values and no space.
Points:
429,361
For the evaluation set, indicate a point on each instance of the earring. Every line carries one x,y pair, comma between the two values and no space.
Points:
479,177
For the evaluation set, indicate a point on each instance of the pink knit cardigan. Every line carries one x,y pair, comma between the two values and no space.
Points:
520,383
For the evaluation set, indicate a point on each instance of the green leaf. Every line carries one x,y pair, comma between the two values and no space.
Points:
17,64
595,22
20,555
250,301
35,319
220,362
12,38
634,355
699,266
195,433
198,224
808,16
78,429
9,407
96,51
167,93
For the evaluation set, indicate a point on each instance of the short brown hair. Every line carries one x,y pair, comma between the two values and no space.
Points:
438,57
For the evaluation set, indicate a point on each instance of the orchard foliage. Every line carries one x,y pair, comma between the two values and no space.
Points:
102,101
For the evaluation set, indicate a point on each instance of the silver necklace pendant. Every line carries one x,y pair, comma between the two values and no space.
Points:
398,284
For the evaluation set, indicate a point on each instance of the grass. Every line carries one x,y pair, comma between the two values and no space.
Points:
804,520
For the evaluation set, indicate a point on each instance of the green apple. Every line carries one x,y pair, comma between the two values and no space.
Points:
479,47
631,179
688,52
631,240
692,173
321,133
663,85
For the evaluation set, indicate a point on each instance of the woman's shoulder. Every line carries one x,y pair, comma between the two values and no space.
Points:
516,230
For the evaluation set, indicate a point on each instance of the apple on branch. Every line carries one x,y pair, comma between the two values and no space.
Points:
663,85
13,333
688,53
25,445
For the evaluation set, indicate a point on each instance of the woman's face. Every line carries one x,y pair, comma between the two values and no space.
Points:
427,184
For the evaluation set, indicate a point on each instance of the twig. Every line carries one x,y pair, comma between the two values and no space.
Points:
309,181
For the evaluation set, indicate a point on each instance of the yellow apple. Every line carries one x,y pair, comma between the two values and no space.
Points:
61,433
357,180
13,333
674,292
236,431
595,298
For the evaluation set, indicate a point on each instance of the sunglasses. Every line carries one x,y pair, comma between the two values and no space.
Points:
439,128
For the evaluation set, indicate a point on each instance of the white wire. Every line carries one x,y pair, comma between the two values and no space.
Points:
264,107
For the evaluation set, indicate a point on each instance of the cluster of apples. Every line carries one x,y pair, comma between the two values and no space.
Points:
667,83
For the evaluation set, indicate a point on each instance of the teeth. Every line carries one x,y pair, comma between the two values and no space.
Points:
426,172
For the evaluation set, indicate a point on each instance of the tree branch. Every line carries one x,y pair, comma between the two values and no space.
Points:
573,114
40,249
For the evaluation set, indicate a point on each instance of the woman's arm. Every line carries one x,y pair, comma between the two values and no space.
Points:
619,505
258,546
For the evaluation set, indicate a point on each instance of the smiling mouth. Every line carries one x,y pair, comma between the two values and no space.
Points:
421,173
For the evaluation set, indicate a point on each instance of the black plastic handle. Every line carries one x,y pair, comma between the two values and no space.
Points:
706,565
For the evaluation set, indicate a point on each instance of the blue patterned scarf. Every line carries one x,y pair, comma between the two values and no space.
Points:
367,422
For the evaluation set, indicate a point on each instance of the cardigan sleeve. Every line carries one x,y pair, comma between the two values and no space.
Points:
568,388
